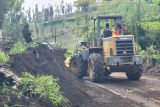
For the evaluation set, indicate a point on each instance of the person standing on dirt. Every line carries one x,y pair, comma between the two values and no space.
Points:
107,31
26,33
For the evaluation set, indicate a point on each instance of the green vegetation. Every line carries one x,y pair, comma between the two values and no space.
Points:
4,58
38,88
141,17
44,86
151,53
69,53
11,8
18,47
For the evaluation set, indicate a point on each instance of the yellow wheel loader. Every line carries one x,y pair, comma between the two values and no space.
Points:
116,53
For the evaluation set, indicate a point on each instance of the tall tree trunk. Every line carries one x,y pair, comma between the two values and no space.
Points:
1,19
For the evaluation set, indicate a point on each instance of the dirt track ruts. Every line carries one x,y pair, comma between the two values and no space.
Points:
126,93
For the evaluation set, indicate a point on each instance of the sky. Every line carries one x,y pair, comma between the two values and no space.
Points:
41,3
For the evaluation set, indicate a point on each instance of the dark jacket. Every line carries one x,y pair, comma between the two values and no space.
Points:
107,33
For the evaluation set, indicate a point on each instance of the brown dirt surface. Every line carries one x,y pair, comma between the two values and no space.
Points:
152,70
46,61
42,60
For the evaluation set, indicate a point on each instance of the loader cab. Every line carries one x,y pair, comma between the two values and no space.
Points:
100,20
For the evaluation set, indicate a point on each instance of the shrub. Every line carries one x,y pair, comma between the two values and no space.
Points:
18,47
69,53
150,53
157,57
4,58
44,86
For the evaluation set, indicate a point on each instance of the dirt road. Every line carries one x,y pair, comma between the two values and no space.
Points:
118,91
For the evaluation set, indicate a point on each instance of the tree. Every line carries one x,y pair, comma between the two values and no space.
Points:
5,6
29,15
37,13
13,24
62,7
51,14
46,14
27,33
83,6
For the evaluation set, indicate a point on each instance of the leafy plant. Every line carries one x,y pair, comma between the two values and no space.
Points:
150,53
18,47
3,58
69,53
157,57
44,86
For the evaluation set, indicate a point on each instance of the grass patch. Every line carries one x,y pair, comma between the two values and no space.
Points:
44,86
4,58
17,48
150,53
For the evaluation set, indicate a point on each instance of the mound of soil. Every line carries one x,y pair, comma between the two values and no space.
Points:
154,70
42,60
11,99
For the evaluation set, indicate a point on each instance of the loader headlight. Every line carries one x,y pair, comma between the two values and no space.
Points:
138,59
116,60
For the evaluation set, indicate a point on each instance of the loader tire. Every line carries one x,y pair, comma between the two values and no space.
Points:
83,67
96,71
78,66
107,72
74,65
135,73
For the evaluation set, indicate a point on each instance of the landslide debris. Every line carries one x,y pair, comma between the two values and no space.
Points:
46,61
